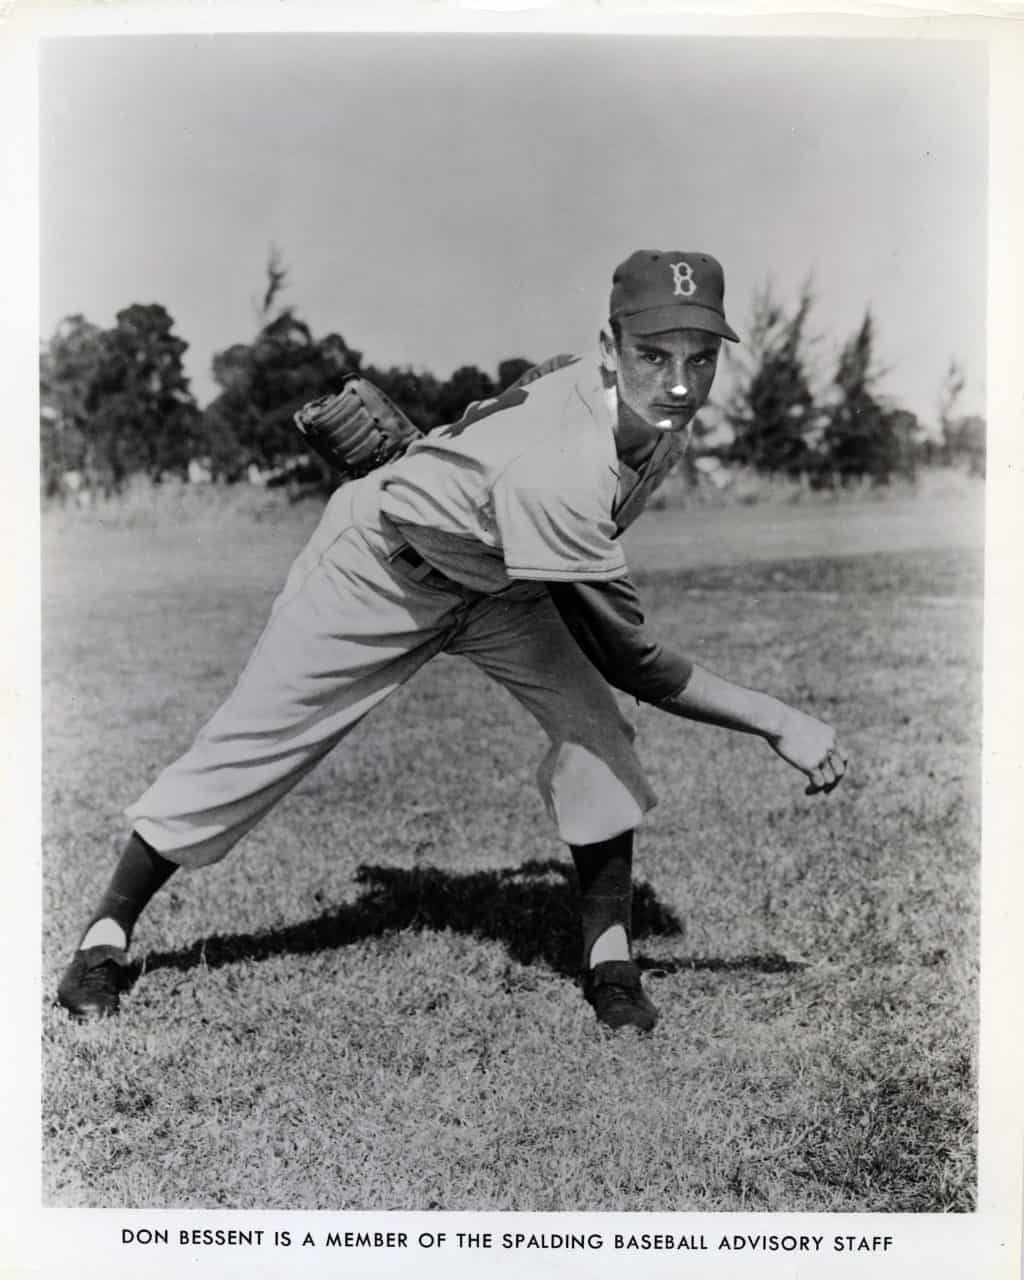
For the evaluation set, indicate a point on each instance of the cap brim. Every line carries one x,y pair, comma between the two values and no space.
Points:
661,319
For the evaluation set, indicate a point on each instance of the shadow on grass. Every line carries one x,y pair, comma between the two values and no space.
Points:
530,909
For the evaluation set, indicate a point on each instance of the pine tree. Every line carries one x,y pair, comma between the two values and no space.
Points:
772,411
866,435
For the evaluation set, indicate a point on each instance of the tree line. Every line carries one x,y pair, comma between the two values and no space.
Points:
784,417
116,402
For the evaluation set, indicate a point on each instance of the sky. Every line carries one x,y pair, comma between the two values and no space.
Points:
461,199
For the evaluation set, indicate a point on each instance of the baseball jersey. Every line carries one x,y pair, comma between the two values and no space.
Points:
526,485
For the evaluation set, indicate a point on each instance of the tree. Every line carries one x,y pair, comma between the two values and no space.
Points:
418,395
512,370
865,435
467,385
964,442
277,280
146,417
949,395
265,381
68,366
262,384
963,437
772,412
116,401
229,425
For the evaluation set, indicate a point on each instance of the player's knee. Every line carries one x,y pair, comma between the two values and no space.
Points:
587,798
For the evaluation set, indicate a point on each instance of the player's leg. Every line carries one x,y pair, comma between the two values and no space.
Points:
591,780
346,631
92,983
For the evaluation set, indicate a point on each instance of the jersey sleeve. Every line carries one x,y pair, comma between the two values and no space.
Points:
607,622
555,521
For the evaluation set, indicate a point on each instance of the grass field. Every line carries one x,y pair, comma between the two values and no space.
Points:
370,1003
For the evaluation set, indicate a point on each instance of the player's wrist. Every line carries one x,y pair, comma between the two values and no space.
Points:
772,718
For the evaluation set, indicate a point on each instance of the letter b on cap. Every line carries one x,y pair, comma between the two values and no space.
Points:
682,279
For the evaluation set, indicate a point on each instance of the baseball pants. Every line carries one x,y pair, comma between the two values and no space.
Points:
351,625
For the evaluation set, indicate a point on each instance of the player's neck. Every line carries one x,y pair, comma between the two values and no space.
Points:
635,440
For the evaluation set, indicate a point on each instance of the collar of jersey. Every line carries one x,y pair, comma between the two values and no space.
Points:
602,402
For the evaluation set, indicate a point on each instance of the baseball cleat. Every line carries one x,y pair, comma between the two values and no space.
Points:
616,993
92,983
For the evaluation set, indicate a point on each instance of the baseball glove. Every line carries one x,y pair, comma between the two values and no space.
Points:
356,429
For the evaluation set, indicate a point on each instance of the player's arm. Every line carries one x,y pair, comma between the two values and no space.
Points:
608,624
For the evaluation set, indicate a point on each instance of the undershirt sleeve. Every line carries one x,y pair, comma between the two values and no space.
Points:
607,622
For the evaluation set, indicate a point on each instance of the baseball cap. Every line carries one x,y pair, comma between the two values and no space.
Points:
656,290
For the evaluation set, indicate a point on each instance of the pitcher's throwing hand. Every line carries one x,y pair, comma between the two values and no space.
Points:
810,745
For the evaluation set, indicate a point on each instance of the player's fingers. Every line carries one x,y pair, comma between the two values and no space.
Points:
817,781
838,766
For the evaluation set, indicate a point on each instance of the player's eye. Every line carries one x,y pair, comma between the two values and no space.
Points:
652,357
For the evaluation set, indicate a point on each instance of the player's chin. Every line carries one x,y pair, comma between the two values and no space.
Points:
670,422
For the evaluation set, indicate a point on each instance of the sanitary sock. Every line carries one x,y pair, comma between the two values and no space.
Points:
605,872
139,873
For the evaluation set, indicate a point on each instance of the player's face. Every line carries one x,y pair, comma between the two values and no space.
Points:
664,378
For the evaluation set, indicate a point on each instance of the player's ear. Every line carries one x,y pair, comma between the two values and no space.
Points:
609,352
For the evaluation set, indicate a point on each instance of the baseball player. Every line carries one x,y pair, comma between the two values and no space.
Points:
495,537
